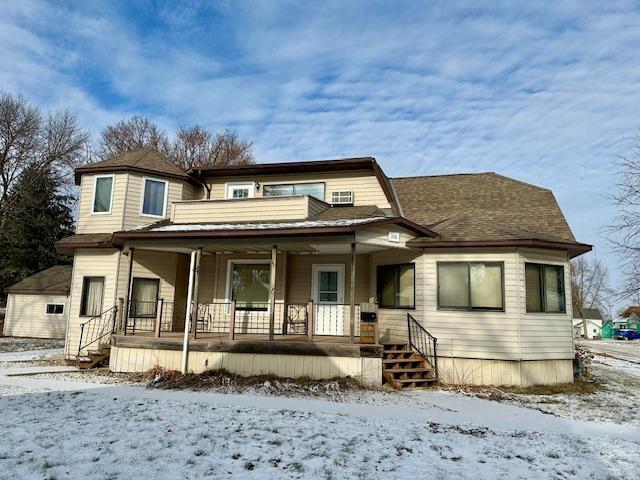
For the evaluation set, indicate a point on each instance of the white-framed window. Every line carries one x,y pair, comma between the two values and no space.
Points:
239,190
154,197
248,283
91,299
102,194
54,309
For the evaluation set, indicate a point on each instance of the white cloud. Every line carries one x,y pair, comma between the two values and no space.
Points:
545,93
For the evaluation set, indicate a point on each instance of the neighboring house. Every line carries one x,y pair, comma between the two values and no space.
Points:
608,329
633,322
283,260
37,305
594,320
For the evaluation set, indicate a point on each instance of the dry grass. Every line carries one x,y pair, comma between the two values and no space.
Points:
222,380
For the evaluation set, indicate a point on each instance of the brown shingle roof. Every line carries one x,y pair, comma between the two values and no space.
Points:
144,160
83,240
355,212
481,207
55,280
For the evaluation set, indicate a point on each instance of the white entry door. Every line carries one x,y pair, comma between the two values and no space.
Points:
328,297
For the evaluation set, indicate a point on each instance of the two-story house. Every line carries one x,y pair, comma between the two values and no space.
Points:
321,269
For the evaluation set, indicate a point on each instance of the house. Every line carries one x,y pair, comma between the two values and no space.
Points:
633,322
594,321
607,329
321,268
37,305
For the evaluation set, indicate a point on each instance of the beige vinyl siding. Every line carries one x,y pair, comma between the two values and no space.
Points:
90,263
274,208
26,316
379,236
473,334
364,184
132,214
546,335
392,322
299,276
88,222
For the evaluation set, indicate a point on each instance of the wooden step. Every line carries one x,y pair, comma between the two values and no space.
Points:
414,380
397,351
391,361
409,370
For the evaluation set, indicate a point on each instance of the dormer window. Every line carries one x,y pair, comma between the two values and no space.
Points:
154,197
102,193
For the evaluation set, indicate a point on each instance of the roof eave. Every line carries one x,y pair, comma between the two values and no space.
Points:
574,248
86,170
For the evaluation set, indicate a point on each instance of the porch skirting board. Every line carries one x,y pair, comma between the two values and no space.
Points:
366,369
504,373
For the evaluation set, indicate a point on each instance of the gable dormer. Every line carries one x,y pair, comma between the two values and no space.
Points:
128,190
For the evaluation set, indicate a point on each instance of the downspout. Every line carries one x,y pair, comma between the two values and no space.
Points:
207,188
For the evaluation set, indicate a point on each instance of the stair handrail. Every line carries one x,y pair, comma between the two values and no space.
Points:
97,327
423,342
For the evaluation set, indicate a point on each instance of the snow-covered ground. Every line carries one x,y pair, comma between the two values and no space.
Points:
16,344
66,425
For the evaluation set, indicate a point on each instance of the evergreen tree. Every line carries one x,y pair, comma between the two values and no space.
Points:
37,215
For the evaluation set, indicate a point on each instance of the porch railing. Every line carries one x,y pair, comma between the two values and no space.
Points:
423,342
232,318
143,316
97,328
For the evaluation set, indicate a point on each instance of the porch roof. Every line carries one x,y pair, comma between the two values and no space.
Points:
165,229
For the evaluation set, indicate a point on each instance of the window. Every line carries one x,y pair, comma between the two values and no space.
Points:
470,286
544,285
154,197
55,308
312,189
91,301
102,193
240,190
396,286
144,297
249,285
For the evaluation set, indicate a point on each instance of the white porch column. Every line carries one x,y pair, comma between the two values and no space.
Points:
272,291
187,315
352,295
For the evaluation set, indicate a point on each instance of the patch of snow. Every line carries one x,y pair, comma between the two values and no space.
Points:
194,227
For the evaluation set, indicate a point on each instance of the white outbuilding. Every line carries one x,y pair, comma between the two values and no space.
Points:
37,305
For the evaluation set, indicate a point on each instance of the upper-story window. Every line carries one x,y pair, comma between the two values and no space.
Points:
240,190
312,189
102,193
154,197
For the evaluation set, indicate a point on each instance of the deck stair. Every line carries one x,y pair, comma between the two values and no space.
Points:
404,368
98,356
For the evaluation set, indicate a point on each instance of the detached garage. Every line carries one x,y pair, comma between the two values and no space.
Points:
37,305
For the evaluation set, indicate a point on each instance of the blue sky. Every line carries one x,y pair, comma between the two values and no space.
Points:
548,94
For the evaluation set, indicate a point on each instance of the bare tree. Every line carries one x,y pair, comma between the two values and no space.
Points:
192,147
131,134
589,286
625,231
197,147
52,143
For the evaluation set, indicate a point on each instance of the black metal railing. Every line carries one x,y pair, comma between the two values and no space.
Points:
96,328
142,316
423,342
213,317
296,320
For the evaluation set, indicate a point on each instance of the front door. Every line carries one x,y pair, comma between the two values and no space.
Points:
328,298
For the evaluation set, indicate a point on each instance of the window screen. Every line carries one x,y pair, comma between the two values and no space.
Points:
312,189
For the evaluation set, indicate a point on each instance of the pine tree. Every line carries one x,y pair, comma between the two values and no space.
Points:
37,215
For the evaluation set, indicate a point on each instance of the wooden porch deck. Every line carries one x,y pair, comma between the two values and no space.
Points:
251,343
